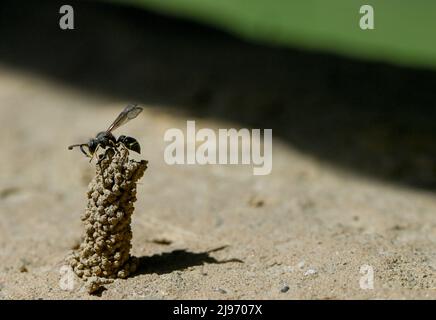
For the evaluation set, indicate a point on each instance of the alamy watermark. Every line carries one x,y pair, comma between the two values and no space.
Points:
366,21
67,19
227,146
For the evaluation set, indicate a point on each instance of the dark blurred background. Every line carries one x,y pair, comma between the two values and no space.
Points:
372,118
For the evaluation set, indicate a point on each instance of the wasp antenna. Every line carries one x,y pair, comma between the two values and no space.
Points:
75,145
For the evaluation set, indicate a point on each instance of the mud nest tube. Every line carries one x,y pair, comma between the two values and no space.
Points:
104,254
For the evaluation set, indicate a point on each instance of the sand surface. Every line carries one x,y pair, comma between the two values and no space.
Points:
352,183
201,231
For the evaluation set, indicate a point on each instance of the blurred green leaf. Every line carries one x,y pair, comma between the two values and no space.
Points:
404,29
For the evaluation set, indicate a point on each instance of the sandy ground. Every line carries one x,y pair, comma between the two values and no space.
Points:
306,226
352,185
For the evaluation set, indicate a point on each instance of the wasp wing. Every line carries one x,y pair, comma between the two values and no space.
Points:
130,112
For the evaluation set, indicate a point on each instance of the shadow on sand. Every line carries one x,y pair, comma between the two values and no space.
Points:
178,260
369,118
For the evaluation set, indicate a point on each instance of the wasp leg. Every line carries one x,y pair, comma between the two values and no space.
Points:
94,153
125,147
114,146
83,151
105,155
121,143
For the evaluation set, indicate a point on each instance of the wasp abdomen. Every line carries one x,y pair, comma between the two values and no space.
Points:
130,143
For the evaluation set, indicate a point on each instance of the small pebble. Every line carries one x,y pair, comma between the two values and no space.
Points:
310,272
23,268
221,290
284,289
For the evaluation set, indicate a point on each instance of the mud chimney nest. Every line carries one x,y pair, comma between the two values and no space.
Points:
104,254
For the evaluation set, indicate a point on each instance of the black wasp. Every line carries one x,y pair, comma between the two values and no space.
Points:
106,139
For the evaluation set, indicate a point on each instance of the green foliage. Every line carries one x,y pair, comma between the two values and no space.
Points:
404,29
